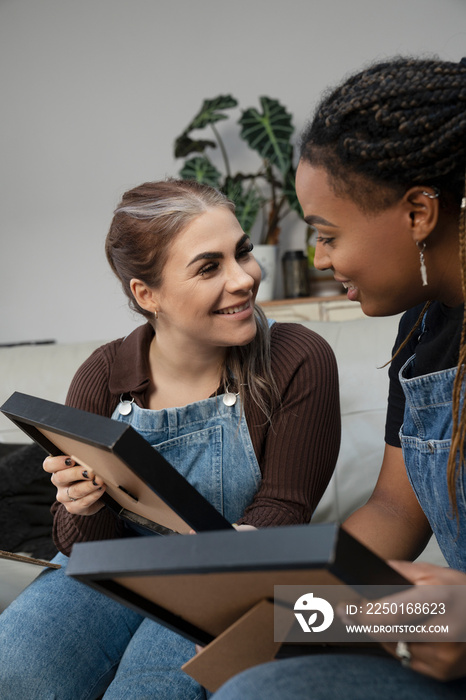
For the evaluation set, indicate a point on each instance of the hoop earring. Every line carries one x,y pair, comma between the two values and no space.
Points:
422,247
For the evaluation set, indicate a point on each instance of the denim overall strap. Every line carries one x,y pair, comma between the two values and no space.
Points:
208,442
426,439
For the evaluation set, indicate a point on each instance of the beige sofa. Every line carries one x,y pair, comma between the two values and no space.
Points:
360,346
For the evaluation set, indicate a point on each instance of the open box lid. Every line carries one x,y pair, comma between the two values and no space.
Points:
201,585
141,485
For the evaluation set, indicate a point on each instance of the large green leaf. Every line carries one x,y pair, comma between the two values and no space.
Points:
209,112
247,203
269,133
289,190
201,170
184,146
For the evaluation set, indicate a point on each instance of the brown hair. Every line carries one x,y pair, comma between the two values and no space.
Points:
144,226
396,124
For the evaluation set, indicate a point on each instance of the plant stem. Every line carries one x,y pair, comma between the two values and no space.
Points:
273,220
222,149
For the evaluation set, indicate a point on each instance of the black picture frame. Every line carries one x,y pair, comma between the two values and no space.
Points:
141,485
199,586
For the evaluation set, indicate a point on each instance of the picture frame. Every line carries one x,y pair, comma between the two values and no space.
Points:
226,573
217,588
142,487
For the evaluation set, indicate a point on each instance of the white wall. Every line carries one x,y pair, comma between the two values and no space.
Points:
93,93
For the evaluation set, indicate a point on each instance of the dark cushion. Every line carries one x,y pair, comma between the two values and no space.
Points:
26,495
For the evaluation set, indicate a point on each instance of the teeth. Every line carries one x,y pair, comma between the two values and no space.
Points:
233,309
347,285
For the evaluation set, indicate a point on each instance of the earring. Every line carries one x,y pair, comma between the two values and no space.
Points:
156,314
422,247
431,195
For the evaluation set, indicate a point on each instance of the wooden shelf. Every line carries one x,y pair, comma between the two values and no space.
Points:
303,300
335,307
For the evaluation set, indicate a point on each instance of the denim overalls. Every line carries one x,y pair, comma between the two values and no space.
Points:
208,442
425,439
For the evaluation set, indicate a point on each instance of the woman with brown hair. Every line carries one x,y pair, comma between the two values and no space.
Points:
382,179
245,409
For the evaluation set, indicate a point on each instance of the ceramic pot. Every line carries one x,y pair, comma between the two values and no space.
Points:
266,256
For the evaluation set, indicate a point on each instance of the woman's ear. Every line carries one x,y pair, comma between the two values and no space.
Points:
144,295
423,210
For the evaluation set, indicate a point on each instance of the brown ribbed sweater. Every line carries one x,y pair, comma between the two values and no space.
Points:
296,453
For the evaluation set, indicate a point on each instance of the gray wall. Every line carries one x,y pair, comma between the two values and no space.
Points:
94,92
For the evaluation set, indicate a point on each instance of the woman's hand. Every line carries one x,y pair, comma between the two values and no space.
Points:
78,488
442,660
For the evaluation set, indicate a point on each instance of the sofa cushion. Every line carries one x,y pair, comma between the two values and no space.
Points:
26,495
361,347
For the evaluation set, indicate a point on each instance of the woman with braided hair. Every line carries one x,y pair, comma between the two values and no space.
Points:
382,179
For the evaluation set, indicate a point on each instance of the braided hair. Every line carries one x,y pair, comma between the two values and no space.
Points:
397,124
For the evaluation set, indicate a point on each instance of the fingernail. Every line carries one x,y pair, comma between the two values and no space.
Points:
95,482
68,462
85,474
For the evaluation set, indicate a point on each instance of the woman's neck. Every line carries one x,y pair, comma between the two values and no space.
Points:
182,374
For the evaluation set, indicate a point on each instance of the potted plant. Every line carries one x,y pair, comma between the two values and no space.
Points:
269,189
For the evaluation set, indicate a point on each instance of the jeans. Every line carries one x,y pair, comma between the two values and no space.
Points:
62,640
332,676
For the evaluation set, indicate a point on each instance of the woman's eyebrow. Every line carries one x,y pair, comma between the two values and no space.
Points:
316,220
214,255
205,256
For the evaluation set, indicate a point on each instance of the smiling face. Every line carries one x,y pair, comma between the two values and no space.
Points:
374,255
209,284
